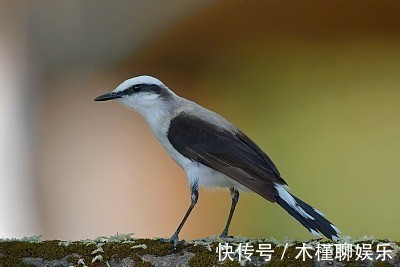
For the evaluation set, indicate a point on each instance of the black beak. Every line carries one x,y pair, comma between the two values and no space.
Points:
108,96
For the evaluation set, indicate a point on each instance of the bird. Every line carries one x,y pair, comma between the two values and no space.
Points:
212,152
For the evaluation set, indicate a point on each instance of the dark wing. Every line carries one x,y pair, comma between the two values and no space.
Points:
232,154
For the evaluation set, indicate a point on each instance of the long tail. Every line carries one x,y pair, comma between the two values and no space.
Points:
308,216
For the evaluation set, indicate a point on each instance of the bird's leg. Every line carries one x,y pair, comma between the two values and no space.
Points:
235,199
194,195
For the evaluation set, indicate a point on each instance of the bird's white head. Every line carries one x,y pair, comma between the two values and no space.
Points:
144,94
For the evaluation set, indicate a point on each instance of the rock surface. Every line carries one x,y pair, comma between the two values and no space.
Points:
123,250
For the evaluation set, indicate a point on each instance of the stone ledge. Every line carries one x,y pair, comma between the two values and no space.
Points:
123,250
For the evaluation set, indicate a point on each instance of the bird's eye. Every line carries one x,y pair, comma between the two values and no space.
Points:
137,88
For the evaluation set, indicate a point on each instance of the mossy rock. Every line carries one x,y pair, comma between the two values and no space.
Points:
126,251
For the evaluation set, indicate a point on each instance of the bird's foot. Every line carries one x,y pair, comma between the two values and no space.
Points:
174,240
225,235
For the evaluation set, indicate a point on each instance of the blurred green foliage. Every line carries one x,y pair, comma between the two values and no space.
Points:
327,113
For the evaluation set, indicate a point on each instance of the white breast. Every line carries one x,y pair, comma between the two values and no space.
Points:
159,124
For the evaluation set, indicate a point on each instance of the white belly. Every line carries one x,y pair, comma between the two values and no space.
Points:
210,178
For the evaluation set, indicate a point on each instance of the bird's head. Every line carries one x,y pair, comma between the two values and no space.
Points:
142,94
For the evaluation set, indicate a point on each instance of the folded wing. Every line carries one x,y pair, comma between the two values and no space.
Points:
229,152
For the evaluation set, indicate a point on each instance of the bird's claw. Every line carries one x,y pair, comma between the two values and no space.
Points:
174,240
225,235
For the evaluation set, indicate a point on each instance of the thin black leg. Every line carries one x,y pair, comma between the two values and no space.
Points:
235,199
194,194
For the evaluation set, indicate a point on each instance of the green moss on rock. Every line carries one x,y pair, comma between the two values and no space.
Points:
145,252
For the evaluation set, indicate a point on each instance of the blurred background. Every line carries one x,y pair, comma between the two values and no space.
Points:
315,83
